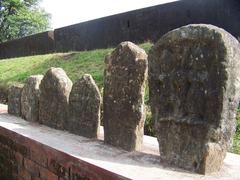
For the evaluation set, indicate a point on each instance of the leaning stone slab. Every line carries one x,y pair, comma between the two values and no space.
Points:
14,100
84,108
194,93
30,98
123,103
55,88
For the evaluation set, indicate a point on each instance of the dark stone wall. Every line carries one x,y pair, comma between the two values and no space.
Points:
41,43
136,26
148,24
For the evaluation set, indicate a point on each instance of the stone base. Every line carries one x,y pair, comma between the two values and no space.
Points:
183,145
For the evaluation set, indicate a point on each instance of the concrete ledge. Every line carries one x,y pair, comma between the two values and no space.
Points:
67,155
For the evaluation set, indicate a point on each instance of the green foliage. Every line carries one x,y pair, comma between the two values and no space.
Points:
236,141
149,123
19,18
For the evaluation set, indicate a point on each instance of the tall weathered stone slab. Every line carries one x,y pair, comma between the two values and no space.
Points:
194,93
14,100
55,88
123,103
30,98
84,108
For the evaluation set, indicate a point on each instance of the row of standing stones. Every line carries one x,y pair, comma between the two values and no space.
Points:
194,81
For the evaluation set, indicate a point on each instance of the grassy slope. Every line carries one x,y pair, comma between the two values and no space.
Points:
16,70
75,64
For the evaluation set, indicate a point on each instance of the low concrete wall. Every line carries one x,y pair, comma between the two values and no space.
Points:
32,151
23,157
41,43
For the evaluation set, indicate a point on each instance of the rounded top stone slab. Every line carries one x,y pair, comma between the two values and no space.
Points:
54,97
84,107
57,80
123,101
195,54
203,31
126,52
88,80
194,83
34,79
30,98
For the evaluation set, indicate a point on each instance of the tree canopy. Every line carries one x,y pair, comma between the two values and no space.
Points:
19,18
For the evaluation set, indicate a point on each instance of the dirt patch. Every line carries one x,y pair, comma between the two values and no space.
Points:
64,57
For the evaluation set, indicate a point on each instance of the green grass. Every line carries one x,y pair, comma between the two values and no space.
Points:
16,70
236,140
74,63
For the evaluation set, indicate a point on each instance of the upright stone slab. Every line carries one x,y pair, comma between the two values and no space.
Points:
194,94
123,100
53,103
14,100
30,98
84,107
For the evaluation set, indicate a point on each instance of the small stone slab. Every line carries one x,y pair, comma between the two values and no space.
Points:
84,108
53,102
14,100
194,82
123,100
30,98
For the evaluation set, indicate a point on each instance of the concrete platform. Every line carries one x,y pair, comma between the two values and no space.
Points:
135,165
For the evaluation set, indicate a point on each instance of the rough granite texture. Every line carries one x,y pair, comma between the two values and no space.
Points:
123,103
194,83
53,103
84,108
30,98
14,100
